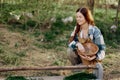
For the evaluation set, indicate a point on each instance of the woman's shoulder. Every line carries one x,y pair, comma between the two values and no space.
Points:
94,28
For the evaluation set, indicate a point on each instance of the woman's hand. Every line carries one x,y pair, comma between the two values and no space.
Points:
81,53
90,58
83,56
87,57
80,47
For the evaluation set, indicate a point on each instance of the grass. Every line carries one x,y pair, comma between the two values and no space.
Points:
15,78
80,76
48,47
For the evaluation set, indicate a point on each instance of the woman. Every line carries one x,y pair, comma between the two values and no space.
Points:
85,29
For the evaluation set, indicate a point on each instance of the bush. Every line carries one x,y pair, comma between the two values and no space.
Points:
80,76
15,78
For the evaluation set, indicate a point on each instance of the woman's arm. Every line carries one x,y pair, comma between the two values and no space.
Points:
91,58
99,40
71,39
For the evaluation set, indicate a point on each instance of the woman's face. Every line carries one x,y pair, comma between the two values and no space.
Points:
80,18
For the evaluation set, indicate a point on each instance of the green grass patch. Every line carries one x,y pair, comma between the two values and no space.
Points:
15,78
80,76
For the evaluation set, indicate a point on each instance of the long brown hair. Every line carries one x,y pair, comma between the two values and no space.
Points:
88,16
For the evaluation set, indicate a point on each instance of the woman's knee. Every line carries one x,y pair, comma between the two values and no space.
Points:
71,53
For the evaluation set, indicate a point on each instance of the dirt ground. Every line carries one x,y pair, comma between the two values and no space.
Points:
43,57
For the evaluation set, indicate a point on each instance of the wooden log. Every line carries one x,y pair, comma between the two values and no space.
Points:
47,68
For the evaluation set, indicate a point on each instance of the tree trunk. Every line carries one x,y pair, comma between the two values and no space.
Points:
118,9
106,7
91,5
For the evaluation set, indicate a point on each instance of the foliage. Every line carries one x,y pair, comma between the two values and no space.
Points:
15,78
41,13
46,34
58,28
105,23
6,9
1,50
54,34
80,76
11,59
8,57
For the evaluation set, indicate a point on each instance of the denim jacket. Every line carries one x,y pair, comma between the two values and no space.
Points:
96,36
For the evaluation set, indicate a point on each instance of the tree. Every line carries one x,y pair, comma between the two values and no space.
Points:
91,5
118,9
106,6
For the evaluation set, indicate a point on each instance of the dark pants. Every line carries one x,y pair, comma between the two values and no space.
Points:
73,57
75,60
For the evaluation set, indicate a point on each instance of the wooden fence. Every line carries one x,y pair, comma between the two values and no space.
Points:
47,68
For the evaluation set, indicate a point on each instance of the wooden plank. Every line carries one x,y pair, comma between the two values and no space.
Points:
47,68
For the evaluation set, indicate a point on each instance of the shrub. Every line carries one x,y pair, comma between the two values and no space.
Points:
15,78
80,76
